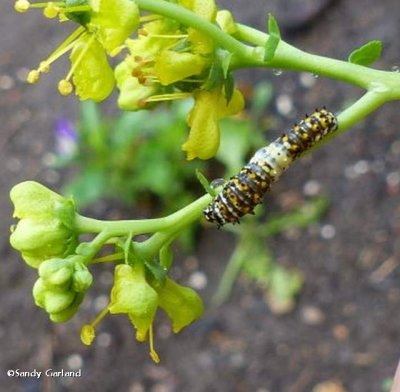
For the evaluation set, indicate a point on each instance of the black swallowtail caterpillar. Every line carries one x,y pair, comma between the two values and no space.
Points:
244,191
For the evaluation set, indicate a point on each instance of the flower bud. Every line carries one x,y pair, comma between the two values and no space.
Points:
58,300
51,299
56,272
33,199
69,312
82,279
46,226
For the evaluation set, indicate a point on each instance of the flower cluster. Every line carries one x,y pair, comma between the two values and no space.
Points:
46,227
47,236
139,296
61,287
104,25
170,61
166,61
47,239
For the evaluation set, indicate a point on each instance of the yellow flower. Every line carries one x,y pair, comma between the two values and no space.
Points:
105,25
132,294
210,107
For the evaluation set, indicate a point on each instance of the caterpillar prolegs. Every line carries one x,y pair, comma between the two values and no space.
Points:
245,190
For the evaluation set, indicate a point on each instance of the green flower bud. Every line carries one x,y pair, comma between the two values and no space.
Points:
133,295
60,304
33,199
51,299
39,292
39,239
56,272
82,279
58,300
68,313
61,287
46,226
182,304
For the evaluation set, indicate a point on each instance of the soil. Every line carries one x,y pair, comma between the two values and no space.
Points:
345,327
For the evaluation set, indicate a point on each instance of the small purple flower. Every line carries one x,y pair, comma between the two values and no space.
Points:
66,135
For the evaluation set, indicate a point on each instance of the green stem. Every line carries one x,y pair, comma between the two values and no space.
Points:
191,19
136,227
356,112
286,56
150,248
289,57
108,258
165,228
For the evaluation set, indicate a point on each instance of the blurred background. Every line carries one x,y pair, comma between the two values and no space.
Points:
304,297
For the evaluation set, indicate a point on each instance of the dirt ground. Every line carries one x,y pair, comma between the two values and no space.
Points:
345,327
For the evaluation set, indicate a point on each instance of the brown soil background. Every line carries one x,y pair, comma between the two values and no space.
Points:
242,346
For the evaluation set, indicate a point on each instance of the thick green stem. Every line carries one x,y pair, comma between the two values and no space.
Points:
150,248
356,112
289,57
136,227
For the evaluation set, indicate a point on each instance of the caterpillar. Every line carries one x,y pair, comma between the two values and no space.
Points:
241,194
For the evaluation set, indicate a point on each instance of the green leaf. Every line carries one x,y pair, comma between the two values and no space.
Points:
157,271
229,87
127,247
166,257
273,40
204,182
366,54
80,17
226,58
215,75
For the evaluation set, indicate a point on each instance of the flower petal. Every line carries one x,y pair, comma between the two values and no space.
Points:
182,304
203,140
132,294
173,66
93,77
113,21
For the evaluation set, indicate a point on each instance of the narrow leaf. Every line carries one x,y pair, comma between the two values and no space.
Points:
204,182
226,62
229,87
273,40
366,54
